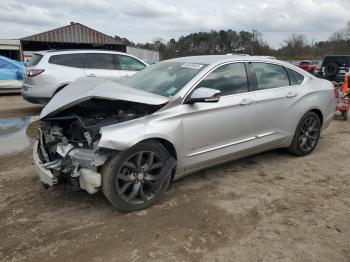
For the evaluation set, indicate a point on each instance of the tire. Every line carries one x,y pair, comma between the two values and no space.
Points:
306,135
344,114
331,70
122,176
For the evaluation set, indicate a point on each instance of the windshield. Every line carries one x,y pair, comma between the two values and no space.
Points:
165,78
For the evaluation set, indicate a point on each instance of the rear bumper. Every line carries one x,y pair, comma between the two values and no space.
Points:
45,175
34,99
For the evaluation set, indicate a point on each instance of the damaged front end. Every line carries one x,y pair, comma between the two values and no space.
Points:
67,149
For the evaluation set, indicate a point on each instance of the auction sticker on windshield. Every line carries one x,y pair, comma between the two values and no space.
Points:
193,66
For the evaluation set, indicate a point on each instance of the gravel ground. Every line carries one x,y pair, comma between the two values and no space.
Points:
270,207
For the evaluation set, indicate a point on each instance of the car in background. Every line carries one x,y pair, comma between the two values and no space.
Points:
308,66
334,67
179,116
147,62
11,74
48,72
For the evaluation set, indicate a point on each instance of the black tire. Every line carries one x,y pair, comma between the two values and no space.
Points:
121,176
344,114
331,70
306,135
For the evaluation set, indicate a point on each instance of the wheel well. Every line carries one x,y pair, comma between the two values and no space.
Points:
168,146
59,89
319,113
171,149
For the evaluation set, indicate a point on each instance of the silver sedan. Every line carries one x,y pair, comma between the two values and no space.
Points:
132,139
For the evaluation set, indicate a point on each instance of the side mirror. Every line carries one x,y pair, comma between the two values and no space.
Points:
204,94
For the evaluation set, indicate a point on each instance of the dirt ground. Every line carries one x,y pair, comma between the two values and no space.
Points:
270,207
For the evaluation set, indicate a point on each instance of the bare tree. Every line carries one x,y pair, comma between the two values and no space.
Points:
295,44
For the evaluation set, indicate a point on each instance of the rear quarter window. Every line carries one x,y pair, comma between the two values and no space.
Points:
34,60
295,77
71,60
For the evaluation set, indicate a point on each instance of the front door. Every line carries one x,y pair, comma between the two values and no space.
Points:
215,132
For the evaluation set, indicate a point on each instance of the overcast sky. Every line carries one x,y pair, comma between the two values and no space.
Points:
143,20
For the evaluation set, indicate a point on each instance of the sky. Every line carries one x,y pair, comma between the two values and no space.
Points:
143,20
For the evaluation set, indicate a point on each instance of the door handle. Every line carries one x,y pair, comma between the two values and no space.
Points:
291,95
91,75
246,102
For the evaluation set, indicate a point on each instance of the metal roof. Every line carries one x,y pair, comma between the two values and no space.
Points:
73,33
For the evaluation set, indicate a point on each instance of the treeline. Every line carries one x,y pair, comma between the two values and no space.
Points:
296,46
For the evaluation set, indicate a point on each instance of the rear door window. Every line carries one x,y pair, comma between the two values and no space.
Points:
72,60
129,63
270,75
100,61
34,60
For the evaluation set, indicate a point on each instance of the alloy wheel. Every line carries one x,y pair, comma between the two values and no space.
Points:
309,133
137,176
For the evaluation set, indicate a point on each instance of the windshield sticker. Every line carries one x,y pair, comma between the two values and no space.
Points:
193,66
171,90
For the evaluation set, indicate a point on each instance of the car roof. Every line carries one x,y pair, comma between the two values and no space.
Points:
216,59
69,51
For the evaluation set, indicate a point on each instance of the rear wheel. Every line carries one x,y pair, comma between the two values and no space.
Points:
307,135
133,179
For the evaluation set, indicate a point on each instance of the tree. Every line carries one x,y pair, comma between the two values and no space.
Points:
294,46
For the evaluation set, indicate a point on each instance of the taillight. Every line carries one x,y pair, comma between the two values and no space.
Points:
34,72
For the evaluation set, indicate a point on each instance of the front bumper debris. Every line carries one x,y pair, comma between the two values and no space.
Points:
74,164
45,175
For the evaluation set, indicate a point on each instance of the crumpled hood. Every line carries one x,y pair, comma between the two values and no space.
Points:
85,88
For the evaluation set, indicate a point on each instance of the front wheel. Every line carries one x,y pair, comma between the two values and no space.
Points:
306,135
136,178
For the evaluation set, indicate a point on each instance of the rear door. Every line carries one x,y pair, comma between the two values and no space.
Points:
102,65
275,97
128,66
61,69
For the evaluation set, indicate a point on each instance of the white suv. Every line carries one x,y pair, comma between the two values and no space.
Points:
50,71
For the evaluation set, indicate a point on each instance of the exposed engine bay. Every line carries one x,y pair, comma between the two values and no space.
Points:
68,140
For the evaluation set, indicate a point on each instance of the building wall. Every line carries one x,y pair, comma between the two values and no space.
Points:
10,48
144,54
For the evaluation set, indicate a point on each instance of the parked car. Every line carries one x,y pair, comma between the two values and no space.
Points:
49,72
11,74
334,67
176,117
308,66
